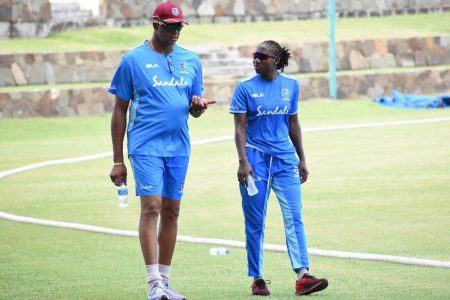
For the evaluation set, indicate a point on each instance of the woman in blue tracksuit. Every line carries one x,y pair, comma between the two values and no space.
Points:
269,144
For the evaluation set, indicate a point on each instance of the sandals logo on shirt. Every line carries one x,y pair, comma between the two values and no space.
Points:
285,94
274,112
173,82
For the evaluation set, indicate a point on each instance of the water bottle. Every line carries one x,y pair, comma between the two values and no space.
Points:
251,186
219,251
122,193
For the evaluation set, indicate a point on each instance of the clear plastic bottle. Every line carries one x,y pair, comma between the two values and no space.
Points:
219,251
251,186
122,193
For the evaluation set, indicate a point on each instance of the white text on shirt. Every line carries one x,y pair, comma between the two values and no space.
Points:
276,111
172,82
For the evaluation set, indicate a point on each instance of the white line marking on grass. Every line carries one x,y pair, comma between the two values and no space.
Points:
54,163
229,243
377,124
235,244
217,140
71,160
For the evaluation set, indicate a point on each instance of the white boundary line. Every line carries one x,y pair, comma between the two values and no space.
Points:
235,244
49,163
217,140
229,243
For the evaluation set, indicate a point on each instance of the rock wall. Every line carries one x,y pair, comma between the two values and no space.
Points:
24,18
361,85
98,66
33,18
90,101
368,54
126,12
55,102
51,68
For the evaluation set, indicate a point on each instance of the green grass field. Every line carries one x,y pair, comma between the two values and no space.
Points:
249,33
372,190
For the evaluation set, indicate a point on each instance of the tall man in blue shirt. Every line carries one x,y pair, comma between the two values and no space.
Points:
162,84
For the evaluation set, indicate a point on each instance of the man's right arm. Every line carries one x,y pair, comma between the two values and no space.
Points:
118,126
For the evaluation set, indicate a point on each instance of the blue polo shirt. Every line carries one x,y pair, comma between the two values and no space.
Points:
268,105
160,88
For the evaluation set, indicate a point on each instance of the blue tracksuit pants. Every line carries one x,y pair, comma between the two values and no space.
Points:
283,177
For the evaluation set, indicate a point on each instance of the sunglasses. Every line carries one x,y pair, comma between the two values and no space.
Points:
172,27
261,56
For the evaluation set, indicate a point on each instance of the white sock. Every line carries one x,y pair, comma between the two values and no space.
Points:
153,273
302,272
164,270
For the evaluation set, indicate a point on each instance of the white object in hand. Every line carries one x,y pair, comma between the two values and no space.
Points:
122,193
251,186
219,251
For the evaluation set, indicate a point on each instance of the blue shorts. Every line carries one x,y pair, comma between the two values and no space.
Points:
162,176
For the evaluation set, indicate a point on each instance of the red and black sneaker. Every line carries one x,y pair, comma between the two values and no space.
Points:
309,284
259,287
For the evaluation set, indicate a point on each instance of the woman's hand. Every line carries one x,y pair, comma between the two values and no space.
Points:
243,171
303,169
